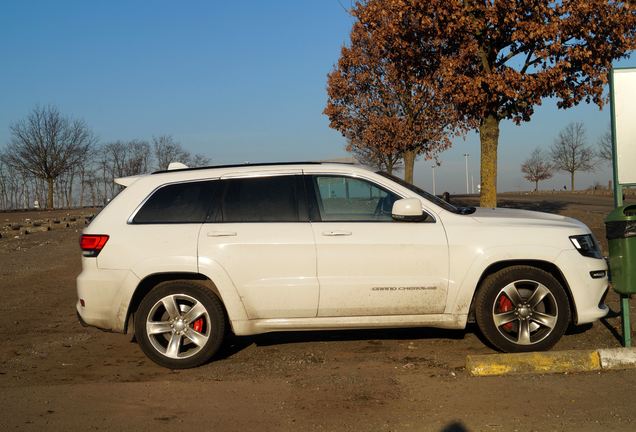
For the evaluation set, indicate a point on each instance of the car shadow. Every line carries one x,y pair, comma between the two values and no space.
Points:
578,329
542,206
235,344
454,427
547,206
612,330
605,321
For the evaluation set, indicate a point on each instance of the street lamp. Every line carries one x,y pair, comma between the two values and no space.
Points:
434,166
466,157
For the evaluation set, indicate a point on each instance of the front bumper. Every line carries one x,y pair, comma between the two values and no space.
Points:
587,293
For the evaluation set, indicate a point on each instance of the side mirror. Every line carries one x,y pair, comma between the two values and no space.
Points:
408,210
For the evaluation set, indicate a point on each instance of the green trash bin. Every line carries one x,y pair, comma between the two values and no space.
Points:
620,230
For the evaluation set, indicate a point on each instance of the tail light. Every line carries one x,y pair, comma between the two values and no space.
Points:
92,244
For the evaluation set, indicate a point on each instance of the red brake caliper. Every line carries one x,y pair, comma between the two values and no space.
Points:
505,305
198,325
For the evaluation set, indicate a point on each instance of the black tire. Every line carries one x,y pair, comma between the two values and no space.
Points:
532,315
181,339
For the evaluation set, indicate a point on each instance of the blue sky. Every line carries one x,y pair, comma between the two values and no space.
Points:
236,81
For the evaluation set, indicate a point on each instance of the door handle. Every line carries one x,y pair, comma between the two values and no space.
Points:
221,233
336,233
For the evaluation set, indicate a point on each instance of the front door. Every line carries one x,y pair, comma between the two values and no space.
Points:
369,264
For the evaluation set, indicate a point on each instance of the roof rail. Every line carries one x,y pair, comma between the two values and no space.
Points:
251,165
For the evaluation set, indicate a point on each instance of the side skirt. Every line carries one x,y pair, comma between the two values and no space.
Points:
250,327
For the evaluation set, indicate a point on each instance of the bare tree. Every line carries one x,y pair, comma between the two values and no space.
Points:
126,158
605,146
570,152
537,167
108,157
64,189
18,188
6,186
91,180
121,159
46,144
198,160
167,150
372,157
139,158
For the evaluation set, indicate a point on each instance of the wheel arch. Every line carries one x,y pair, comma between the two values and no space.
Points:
546,266
152,280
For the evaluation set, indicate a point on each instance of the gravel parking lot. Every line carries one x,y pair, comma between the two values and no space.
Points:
58,375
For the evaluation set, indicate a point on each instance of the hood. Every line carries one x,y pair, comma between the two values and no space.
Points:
504,216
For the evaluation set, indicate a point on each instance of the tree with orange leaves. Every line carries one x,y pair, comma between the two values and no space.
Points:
384,107
497,60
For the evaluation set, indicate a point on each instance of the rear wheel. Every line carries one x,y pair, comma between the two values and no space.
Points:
521,309
180,324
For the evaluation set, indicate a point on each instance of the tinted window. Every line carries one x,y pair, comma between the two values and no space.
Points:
352,199
261,199
177,203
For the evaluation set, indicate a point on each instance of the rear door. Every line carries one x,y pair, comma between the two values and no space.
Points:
161,235
259,232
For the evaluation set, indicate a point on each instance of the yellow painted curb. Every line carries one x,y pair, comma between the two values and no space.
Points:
535,362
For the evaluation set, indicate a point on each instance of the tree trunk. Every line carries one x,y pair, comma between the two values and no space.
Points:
49,196
69,192
536,186
489,137
82,187
572,181
58,197
409,165
24,195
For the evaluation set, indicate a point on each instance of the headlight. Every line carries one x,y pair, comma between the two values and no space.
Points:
586,245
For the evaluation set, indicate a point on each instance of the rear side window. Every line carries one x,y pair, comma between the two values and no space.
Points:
177,203
263,199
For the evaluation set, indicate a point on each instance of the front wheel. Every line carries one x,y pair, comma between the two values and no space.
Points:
180,324
522,308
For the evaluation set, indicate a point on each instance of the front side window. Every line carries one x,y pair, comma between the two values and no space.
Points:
261,199
432,198
352,199
177,203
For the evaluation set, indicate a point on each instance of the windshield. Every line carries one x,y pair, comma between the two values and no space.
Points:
430,197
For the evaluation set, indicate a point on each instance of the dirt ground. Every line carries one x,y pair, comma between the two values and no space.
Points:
57,375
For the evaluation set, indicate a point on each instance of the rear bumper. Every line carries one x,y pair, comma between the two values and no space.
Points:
102,299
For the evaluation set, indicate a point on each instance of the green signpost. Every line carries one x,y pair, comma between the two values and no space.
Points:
623,113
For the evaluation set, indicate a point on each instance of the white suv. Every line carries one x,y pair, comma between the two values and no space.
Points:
183,256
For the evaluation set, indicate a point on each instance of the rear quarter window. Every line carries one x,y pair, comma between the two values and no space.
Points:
177,203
